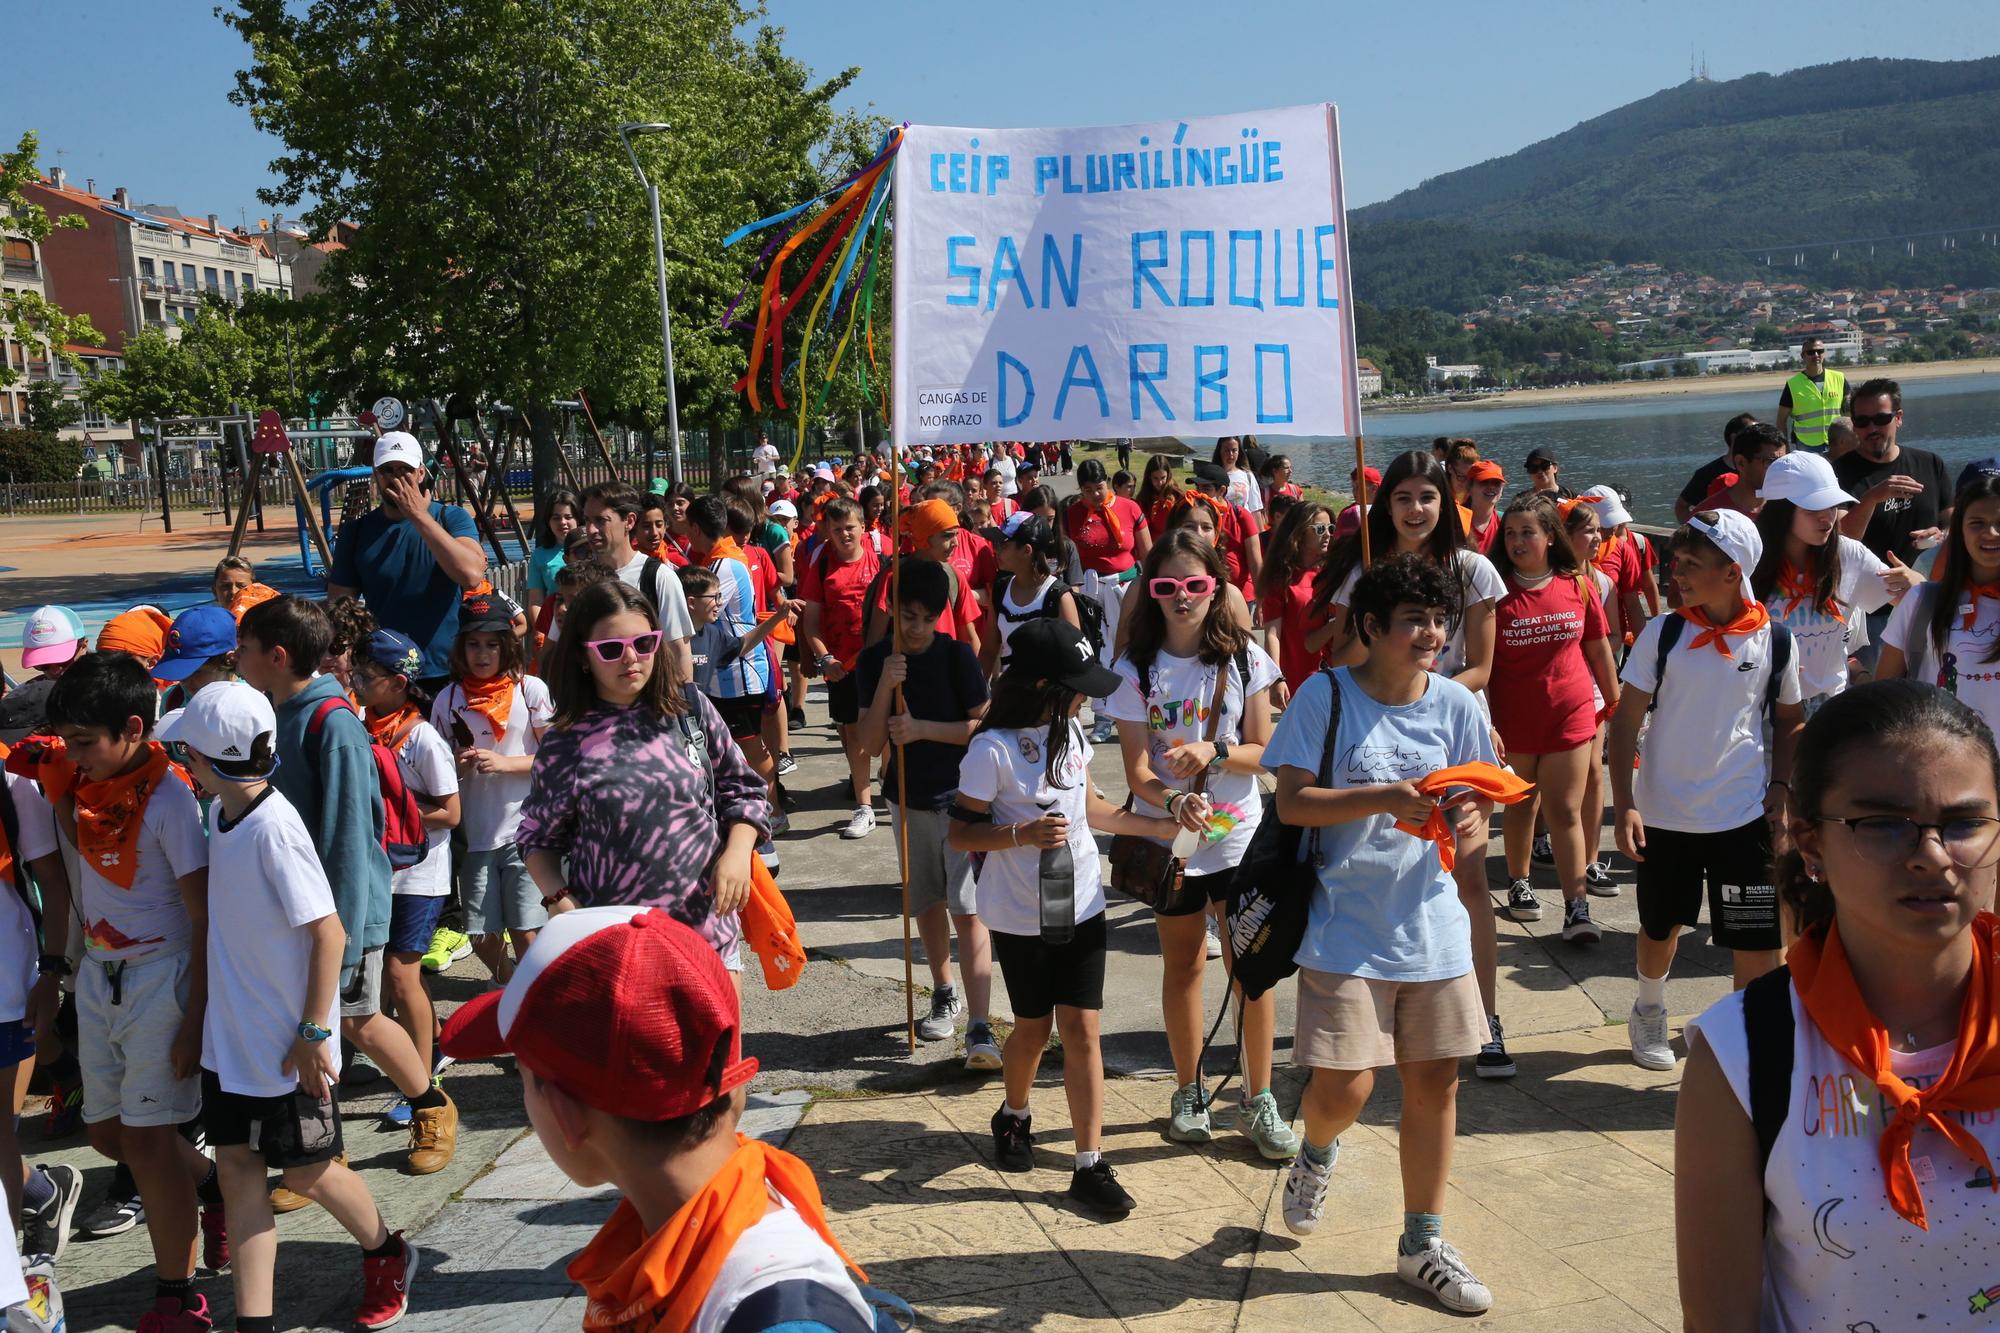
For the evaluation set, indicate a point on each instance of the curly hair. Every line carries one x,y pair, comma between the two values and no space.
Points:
1399,580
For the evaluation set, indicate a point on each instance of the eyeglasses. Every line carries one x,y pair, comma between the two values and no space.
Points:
1319,529
1194,585
1813,351
1971,841
1874,419
643,646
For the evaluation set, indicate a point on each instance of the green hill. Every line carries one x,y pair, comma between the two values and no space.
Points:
1702,174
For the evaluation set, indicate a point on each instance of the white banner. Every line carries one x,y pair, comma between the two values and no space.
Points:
1177,278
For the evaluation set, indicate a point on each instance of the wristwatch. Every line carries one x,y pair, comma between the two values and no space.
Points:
54,964
309,1031
1221,755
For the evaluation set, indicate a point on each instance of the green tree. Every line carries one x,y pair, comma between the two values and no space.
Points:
28,456
49,409
503,247
29,317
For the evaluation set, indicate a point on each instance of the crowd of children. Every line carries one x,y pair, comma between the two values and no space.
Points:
595,786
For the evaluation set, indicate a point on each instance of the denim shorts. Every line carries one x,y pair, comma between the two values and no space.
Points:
500,894
413,919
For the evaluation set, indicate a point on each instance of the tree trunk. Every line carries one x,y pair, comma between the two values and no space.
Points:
546,449
718,456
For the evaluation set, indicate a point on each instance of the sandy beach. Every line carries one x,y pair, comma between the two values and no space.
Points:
1761,382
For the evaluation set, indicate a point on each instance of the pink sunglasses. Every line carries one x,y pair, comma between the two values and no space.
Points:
1195,585
643,646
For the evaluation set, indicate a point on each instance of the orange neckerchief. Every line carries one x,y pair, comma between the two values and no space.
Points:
771,930
1975,591
1607,546
725,548
7,848
638,1283
1971,1082
390,730
1109,514
493,697
1749,620
109,815
668,553
1799,587
1484,778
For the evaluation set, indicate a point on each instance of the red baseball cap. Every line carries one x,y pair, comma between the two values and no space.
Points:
624,1008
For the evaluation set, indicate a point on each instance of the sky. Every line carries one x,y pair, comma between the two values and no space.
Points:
135,92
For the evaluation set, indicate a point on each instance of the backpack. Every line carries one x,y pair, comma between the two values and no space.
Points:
1781,657
804,1303
1089,611
403,835
649,576
1768,1024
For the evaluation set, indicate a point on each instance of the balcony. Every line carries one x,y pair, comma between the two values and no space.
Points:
158,240
241,253
21,269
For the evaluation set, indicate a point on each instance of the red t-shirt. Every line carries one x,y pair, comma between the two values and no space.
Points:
1295,660
961,614
974,560
840,589
1540,687
1100,551
1157,516
763,578
1241,529
1482,539
1721,498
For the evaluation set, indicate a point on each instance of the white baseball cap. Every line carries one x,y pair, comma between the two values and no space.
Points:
228,721
1611,511
1806,479
784,509
1737,535
50,637
398,446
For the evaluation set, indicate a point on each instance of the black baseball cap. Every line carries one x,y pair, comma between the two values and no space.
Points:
1056,650
1539,456
1211,474
482,613
24,710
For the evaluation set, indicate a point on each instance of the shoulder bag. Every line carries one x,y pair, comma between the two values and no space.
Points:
1146,868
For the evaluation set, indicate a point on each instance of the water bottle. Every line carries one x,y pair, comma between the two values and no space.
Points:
1058,891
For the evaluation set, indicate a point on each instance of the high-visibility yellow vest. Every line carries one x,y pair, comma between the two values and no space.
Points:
1814,408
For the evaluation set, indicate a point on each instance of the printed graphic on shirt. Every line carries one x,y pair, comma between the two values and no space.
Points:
1365,765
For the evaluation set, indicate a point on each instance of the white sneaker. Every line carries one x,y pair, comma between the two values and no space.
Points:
1212,945
860,824
1647,1029
1440,1270
1305,1193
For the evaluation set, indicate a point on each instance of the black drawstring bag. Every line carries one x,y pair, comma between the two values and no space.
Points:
1270,897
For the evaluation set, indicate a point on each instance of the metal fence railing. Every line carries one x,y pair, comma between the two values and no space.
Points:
200,493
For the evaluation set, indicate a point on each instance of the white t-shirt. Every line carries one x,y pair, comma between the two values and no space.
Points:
1836,1255
259,954
1963,671
666,594
489,804
765,456
18,946
1822,642
149,918
1244,492
1478,582
1176,713
1012,612
1003,462
1706,762
780,1248
1009,768
429,770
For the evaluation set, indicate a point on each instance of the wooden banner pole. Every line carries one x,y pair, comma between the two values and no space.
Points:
902,784
1361,492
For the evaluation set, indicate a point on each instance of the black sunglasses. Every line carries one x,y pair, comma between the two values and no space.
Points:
1813,351
1875,419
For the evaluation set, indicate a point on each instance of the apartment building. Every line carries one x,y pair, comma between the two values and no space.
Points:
20,271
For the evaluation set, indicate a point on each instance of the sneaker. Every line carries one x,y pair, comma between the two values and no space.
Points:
113,1217
447,947
982,1053
439,1062
358,1071
860,824
795,719
1578,928
1265,1126
1096,1187
786,764
385,1286
1439,1269
1013,1142
1305,1193
1647,1030
767,852
1211,944
1597,880
65,1107
45,1230
398,1113
287,1201
170,1316
41,1311
1545,851
433,1138
1187,1116
1103,732
1522,904
940,1023
214,1238
1493,1060
780,821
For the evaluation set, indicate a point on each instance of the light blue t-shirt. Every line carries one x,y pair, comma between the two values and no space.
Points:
544,563
1385,907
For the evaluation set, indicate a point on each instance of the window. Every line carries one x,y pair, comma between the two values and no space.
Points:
214,283
249,284
146,267
187,276
229,282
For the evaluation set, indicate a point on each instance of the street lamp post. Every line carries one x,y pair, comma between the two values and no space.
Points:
626,132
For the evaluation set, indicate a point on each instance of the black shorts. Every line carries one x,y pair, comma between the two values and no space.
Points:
1198,891
843,701
292,1130
743,717
1735,869
1041,976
